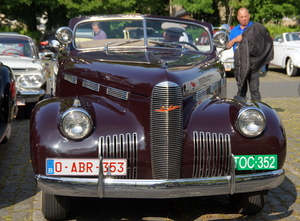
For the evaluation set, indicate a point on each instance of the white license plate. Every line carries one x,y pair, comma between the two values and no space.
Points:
86,167
20,102
227,66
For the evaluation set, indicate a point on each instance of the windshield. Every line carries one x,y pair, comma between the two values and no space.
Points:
131,33
15,46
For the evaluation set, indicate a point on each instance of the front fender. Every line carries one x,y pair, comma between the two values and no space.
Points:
215,119
109,119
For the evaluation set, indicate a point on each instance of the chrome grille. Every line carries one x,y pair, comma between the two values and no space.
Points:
213,87
90,85
223,82
211,154
121,146
200,94
117,93
166,130
71,78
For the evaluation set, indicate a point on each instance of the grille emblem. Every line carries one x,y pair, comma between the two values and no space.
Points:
166,109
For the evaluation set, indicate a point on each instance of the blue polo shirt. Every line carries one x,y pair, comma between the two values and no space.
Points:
236,31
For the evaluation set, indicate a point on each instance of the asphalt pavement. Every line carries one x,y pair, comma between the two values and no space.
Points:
20,199
274,83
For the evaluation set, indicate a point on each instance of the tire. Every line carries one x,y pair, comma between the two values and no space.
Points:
55,207
7,136
249,203
291,70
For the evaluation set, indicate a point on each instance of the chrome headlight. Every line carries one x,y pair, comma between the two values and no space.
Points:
28,81
251,122
76,123
64,35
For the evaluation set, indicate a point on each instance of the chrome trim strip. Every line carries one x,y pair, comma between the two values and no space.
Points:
32,92
232,177
101,183
120,188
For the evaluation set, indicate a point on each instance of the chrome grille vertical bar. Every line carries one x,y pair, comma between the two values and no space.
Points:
166,130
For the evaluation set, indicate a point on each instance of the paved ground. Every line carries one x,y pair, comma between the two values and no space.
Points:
21,200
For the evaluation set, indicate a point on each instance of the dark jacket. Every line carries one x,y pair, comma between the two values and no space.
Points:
253,52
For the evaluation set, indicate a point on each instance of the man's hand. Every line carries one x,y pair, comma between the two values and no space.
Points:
235,40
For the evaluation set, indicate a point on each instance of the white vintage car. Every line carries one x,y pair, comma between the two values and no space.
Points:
227,59
287,52
20,53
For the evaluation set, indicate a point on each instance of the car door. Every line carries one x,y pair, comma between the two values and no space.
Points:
279,50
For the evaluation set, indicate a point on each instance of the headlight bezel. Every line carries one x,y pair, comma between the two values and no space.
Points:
26,80
65,129
254,129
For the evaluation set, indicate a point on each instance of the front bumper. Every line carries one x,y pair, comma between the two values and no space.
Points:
121,188
31,95
228,65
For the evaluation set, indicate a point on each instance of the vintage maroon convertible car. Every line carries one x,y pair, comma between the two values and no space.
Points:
142,113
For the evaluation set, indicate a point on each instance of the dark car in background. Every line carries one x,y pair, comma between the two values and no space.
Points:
8,110
45,44
20,53
142,116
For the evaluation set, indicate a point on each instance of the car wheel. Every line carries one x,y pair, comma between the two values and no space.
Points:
7,136
249,203
55,207
291,70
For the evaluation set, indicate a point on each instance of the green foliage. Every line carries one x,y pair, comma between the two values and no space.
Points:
205,10
265,11
279,29
196,6
35,35
58,12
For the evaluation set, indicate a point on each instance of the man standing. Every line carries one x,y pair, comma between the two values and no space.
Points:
253,48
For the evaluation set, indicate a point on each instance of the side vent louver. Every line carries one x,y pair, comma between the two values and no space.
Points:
117,93
71,78
90,85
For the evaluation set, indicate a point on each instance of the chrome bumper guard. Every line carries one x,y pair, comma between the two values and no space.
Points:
121,188
31,95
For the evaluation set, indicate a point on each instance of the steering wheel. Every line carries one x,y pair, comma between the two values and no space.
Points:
187,43
12,51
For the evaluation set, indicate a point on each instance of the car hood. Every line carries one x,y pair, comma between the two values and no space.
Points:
20,63
139,72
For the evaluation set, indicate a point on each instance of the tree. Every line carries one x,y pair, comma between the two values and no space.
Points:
264,11
206,10
58,12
